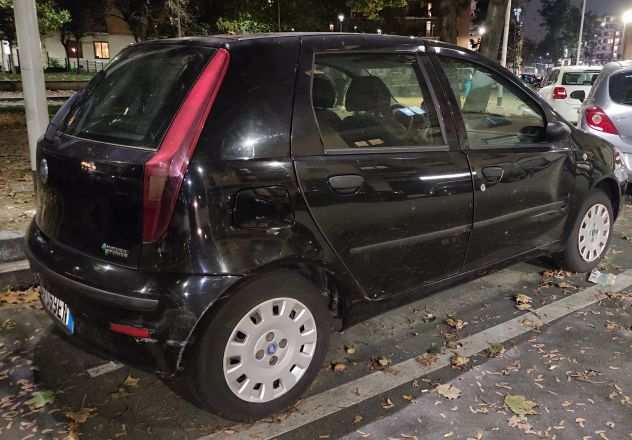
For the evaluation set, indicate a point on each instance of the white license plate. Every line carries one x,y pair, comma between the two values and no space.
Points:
58,309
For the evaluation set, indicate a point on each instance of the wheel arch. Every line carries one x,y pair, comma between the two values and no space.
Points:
610,186
330,285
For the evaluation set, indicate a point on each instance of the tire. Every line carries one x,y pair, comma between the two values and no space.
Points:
588,242
264,347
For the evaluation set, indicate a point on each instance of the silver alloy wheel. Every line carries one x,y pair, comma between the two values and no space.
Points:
270,349
594,232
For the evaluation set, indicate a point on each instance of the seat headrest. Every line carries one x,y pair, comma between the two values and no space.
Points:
323,92
367,93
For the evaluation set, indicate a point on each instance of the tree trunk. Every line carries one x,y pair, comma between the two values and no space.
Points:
495,22
448,21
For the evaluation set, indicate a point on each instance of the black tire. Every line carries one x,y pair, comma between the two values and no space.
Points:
207,376
572,259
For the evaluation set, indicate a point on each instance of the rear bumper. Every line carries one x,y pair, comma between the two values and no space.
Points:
99,294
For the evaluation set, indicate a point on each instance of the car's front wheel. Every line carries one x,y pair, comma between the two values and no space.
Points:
591,234
262,348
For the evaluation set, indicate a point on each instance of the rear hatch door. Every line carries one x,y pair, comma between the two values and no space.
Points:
91,160
620,108
578,81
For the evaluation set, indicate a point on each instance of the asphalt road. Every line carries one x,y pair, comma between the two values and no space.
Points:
574,370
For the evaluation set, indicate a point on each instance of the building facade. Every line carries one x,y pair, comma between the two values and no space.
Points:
606,42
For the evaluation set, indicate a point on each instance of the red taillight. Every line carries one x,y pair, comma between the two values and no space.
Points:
165,171
597,119
559,93
136,332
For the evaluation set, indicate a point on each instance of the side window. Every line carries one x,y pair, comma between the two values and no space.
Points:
373,101
552,78
494,112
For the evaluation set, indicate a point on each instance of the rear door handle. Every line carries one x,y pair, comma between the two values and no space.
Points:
493,175
346,184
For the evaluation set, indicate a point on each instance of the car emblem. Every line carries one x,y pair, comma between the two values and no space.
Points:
43,170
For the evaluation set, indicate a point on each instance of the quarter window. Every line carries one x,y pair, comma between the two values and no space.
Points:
373,101
494,112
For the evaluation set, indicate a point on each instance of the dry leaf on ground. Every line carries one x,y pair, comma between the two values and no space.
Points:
456,324
448,391
427,359
458,361
495,350
519,405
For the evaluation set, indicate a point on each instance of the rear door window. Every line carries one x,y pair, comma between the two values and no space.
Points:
620,86
373,101
579,78
134,99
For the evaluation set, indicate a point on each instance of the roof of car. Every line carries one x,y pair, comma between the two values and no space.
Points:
578,68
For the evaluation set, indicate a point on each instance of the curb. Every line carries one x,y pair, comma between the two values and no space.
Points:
15,271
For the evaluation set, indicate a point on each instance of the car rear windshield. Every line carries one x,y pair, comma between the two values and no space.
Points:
134,99
621,88
579,78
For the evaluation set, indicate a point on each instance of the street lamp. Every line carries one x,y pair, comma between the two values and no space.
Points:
341,18
482,30
355,29
379,31
331,27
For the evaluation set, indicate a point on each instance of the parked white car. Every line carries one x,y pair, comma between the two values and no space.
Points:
567,86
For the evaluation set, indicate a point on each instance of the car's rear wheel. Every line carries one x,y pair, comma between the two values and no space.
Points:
591,234
262,348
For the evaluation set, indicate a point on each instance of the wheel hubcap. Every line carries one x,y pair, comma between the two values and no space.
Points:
270,349
594,232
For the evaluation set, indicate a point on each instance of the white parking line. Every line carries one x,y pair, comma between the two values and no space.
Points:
352,393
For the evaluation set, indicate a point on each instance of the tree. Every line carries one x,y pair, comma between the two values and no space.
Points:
495,22
137,15
561,25
372,9
449,11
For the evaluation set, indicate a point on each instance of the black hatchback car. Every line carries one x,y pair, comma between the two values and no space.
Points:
217,205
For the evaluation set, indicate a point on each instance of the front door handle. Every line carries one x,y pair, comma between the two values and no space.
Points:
493,175
346,183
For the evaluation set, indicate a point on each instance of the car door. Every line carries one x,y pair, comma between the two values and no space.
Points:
372,156
522,181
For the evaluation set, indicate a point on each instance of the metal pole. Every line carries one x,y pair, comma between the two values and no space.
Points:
581,31
32,73
503,56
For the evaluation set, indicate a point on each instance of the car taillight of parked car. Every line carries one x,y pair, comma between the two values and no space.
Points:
559,93
598,120
165,171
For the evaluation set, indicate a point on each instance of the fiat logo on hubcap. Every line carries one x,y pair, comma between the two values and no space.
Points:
43,170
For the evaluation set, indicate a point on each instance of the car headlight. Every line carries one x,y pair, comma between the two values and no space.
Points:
620,171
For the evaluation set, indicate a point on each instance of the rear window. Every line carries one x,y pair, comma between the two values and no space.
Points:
579,78
134,99
621,88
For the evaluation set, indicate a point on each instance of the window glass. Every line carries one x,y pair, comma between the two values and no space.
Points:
493,112
101,50
621,88
552,79
373,101
579,78
133,100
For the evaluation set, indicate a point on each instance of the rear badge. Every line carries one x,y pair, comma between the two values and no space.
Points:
112,251
43,170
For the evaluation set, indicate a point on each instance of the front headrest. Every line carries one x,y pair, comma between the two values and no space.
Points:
367,93
323,92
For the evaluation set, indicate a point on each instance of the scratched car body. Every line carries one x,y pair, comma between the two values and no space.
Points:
215,206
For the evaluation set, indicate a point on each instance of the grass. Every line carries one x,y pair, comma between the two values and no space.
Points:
54,76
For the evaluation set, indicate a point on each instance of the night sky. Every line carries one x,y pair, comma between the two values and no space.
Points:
599,7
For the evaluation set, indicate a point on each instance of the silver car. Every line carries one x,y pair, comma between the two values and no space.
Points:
607,111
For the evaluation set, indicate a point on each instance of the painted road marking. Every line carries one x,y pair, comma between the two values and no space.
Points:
352,393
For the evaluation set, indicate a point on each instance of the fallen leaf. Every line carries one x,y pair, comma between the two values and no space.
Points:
426,359
495,350
131,381
40,399
456,324
80,416
387,403
448,391
350,349
357,419
8,325
380,363
521,423
519,405
339,367
458,361
408,397
580,421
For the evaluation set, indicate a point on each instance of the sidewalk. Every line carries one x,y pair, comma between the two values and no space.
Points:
16,181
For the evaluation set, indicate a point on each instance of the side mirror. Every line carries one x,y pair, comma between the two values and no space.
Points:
556,131
579,94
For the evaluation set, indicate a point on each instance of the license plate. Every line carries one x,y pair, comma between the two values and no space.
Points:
58,309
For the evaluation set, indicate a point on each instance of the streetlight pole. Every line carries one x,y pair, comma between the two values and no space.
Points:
341,18
503,54
581,32
279,14
627,35
32,73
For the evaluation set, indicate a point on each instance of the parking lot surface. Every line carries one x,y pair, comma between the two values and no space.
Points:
562,365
